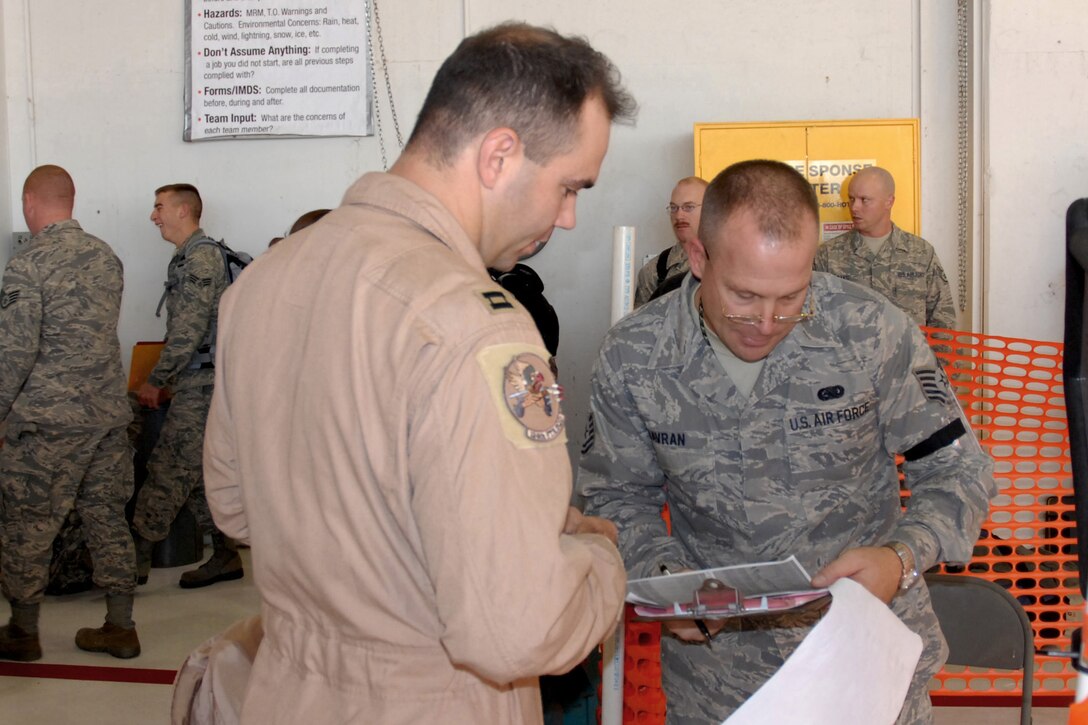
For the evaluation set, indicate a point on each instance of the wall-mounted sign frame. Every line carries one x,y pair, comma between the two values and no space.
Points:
260,69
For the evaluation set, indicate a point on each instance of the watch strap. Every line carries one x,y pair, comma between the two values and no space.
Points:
906,560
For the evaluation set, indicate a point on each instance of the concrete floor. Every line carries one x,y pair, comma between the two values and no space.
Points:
171,623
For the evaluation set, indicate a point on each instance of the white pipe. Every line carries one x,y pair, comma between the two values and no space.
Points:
623,271
32,131
612,675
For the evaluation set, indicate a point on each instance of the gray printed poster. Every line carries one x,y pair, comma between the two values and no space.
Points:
267,68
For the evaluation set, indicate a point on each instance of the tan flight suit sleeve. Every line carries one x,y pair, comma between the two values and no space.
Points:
222,482
516,596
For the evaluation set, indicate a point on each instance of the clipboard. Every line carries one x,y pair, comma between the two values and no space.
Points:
735,591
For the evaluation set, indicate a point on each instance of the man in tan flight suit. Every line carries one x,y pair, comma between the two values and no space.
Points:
385,429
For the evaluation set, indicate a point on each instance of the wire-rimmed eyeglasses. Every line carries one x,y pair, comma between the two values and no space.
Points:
687,208
808,314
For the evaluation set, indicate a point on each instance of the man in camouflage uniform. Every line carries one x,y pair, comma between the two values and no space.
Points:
879,255
196,278
62,392
765,406
672,264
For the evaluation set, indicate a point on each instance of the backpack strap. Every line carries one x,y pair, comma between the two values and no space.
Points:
662,266
184,256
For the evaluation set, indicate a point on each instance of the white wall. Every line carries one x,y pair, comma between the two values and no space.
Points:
107,105
1036,163
937,88
707,61
6,221
97,88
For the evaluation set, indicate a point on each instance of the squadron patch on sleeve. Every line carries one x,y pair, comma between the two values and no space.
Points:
933,383
496,301
525,393
9,297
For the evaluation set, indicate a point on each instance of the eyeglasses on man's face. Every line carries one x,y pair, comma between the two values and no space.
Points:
687,208
808,314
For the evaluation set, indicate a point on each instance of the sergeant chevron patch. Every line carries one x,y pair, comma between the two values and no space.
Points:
932,382
7,298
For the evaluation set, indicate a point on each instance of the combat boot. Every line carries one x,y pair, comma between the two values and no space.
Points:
119,642
223,565
15,644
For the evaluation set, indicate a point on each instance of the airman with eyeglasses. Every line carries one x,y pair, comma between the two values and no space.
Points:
664,272
765,404
754,284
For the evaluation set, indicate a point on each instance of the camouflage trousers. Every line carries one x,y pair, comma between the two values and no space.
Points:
71,569
175,471
47,473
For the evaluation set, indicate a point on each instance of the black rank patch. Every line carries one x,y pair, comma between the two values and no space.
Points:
9,297
933,384
200,281
496,300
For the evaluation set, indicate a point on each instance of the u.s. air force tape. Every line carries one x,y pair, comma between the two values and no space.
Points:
525,394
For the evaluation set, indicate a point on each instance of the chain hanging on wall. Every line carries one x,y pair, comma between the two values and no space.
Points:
374,37
963,148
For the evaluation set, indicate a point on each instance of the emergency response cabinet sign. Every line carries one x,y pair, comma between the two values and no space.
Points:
261,68
827,153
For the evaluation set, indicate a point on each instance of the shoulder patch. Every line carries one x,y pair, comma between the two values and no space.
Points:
933,383
9,297
199,281
496,300
525,393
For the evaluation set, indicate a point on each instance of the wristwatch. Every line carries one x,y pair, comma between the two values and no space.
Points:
906,559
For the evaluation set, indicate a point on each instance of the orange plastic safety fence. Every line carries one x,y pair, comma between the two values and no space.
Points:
1011,390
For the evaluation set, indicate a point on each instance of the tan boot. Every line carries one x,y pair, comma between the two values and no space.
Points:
122,643
224,565
15,644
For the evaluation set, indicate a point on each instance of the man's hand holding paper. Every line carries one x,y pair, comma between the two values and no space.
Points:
876,568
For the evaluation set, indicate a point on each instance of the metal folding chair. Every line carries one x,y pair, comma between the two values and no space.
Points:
985,627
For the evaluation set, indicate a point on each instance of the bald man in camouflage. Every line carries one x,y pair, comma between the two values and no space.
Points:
881,256
62,392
